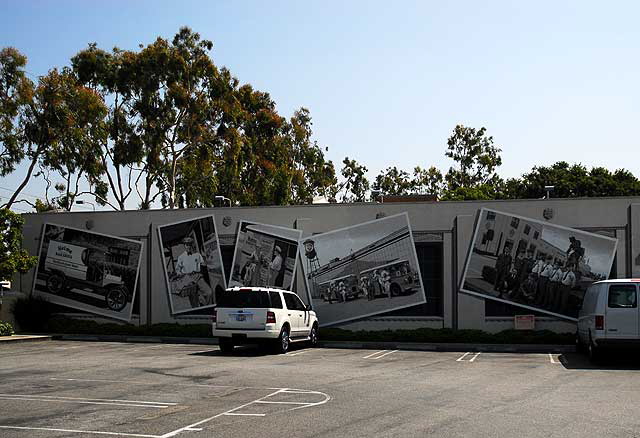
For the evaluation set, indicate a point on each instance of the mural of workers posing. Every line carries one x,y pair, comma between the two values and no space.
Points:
265,256
535,264
88,271
363,270
192,263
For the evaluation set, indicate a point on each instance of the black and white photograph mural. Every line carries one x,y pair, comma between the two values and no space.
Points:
534,264
265,256
362,270
192,263
88,271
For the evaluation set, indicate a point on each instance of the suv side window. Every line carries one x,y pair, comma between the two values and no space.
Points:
276,301
622,296
299,303
293,302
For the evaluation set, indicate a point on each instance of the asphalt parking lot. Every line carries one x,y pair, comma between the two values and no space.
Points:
71,389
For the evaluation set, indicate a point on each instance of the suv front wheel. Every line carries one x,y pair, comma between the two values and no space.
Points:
313,336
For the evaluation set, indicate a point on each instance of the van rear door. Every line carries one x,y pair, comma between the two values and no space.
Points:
622,315
244,309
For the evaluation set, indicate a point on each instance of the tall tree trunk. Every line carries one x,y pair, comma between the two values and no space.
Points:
24,182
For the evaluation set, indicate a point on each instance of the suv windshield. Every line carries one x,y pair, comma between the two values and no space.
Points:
239,299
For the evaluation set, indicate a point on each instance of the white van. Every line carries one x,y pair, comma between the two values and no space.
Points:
610,316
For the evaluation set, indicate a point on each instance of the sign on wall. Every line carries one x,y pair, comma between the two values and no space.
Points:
265,256
192,263
362,270
534,264
88,271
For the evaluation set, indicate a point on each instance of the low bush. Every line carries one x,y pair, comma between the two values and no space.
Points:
32,314
66,325
6,329
429,335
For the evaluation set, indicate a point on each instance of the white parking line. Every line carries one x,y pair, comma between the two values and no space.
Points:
297,353
88,399
461,358
369,356
385,354
464,358
91,432
84,402
551,359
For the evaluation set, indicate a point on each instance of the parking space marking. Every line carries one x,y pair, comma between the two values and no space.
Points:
91,432
370,356
298,353
385,354
243,415
90,399
192,427
464,358
53,400
461,358
551,359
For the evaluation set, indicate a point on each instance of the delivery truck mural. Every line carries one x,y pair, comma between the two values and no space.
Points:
67,263
88,271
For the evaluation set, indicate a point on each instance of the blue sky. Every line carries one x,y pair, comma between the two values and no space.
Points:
386,82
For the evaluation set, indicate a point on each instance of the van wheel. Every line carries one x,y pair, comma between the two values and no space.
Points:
313,336
282,344
593,352
55,283
116,298
579,345
226,345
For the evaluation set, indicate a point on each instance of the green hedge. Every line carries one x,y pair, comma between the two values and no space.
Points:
429,335
32,314
425,335
6,329
60,324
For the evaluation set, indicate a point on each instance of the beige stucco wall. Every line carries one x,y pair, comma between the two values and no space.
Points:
453,220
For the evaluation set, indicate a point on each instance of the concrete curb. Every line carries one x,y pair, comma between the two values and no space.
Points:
453,347
24,338
410,346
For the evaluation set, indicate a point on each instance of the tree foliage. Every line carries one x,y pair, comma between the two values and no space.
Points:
355,185
475,155
393,181
12,257
16,92
572,181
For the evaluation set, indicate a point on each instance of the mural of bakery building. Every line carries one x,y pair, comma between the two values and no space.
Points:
442,234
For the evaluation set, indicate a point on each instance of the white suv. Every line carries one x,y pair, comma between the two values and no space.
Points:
245,315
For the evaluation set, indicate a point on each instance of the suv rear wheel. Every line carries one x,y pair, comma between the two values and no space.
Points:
226,345
282,344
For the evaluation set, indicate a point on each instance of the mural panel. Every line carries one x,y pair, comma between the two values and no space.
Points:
265,256
192,263
363,270
535,264
88,271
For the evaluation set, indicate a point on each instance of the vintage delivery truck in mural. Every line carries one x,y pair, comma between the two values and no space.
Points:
395,278
340,289
68,265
